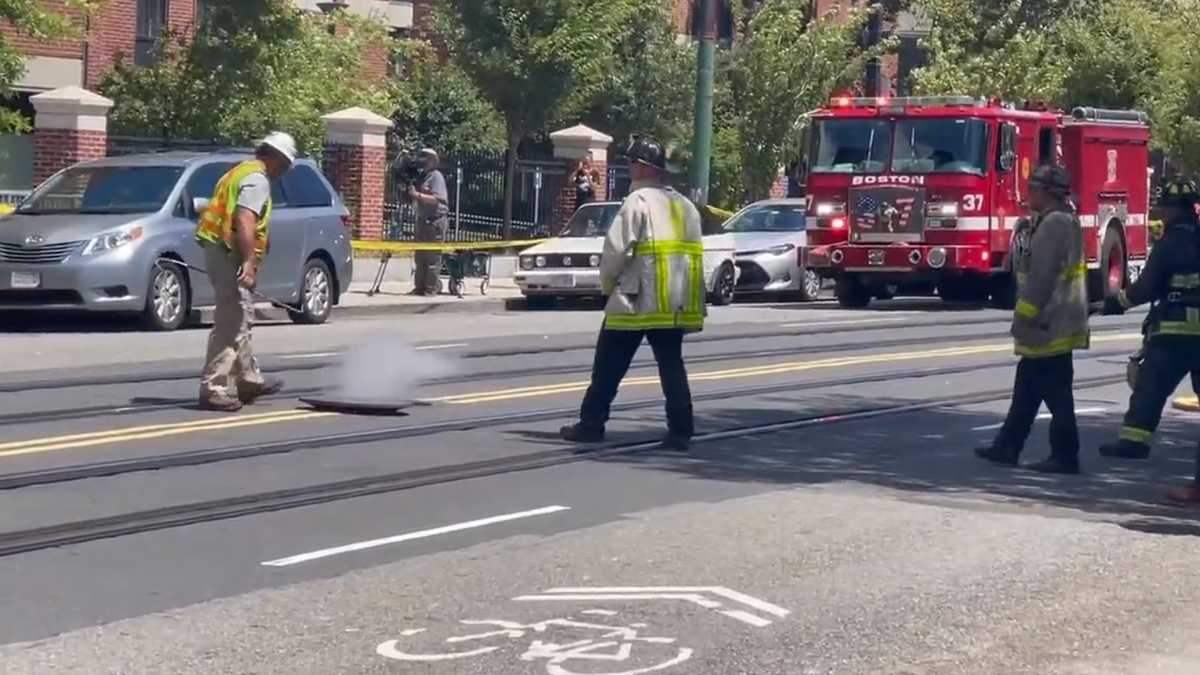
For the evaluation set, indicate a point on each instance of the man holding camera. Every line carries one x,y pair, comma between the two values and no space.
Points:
431,199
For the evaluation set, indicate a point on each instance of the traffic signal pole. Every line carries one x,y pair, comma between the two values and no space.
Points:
703,124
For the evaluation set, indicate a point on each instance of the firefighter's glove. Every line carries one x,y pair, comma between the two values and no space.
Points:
1113,306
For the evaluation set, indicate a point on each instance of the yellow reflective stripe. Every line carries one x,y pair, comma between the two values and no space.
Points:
1185,280
653,321
1055,347
669,248
1136,435
699,286
1027,309
678,219
1077,272
663,283
1178,328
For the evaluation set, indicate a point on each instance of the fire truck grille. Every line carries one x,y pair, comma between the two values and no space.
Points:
886,214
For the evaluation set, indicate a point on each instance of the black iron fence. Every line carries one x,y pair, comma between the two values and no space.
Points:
475,186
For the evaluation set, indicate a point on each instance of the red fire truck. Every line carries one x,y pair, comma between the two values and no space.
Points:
931,193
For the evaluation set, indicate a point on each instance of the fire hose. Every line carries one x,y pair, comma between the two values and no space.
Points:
161,262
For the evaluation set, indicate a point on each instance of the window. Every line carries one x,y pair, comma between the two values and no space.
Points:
772,218
1047,150
203,181
591,220
104,190
852,146
305,188
151,16
941,146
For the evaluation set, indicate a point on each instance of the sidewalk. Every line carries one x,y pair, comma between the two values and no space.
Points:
393,298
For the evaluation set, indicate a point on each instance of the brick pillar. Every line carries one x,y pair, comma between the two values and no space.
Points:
572,146
71,126
779,189
356,165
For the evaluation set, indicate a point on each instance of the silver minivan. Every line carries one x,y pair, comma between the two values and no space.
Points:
89,237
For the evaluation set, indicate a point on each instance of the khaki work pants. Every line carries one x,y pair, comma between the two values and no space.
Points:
230,360
429,263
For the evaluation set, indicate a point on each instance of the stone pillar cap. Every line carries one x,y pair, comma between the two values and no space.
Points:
580,141
356,126
71,108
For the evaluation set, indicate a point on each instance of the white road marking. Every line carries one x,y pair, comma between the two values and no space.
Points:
449,346
1043,416
314,355
855,322
410,536
697,595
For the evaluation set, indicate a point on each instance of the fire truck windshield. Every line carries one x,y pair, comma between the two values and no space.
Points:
940,146
929,145
852,146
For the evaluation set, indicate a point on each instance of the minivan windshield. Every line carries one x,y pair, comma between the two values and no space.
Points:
591,220
104,190
768,218
940,146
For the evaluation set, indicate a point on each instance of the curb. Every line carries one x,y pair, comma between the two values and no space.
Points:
448,306
1186,403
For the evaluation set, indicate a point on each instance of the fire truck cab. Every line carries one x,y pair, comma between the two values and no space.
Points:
931,193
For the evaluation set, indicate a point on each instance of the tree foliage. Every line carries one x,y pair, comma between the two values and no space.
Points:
535,60
253,66
30,18
438,106
787,63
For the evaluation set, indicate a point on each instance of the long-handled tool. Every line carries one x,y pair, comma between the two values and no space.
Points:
254,294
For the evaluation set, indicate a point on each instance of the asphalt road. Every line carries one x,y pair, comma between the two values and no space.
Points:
830,519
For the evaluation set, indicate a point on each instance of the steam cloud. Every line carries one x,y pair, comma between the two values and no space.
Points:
386,369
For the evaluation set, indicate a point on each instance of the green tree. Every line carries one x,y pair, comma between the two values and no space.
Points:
535,60
787,64
650,87
437,105
253,66
30,18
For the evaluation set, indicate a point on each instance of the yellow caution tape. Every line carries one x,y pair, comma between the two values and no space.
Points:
6,209
446,247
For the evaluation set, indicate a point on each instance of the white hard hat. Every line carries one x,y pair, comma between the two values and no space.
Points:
283,143
429,152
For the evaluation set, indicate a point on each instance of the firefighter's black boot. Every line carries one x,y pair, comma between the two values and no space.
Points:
1125,449
1056,464
578,433
998,455
676,442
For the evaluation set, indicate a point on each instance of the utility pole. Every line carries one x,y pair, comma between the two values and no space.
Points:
703,126
874,35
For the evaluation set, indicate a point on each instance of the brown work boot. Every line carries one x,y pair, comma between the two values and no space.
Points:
220,403
249,392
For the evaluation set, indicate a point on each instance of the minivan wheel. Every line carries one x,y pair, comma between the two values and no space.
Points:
316,293
167,299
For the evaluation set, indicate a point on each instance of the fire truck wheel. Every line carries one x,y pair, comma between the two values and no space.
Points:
852,293
1113,273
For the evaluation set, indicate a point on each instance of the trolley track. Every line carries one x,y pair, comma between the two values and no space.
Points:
77,472
133,408
65,534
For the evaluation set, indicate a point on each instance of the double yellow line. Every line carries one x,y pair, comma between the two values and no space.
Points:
754,371
278,417
152,431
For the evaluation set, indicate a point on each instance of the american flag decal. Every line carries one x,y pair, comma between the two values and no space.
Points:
893,217
867,208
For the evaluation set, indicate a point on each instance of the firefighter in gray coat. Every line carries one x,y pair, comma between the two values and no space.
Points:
1049,324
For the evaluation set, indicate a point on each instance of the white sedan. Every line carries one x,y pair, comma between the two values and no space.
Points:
568,265
771,244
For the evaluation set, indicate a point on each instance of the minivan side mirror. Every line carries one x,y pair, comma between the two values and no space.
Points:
199,205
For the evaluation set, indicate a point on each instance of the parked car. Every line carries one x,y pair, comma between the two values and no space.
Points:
89,237
771,243
568,265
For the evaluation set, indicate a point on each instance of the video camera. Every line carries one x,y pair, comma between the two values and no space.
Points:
407,169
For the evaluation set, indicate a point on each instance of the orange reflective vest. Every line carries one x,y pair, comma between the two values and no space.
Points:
216,223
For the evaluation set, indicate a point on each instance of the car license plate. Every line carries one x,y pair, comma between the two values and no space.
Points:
561,281
25,280
876,257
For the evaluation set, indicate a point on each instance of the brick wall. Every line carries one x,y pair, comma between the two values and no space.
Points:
423,16
683,16
181,15
68,49
55,149
358,175
112,33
